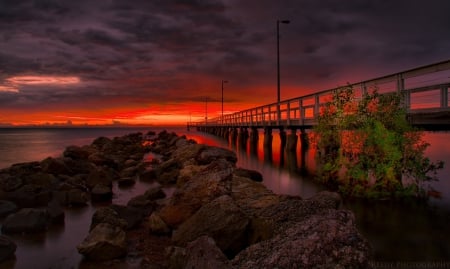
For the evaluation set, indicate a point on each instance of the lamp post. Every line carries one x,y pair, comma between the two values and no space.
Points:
206,110
278,66
223,81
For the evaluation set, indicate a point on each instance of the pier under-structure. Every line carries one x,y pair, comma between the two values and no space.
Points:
425,88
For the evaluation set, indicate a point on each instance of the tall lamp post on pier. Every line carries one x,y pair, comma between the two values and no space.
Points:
223,81
206,110
278,67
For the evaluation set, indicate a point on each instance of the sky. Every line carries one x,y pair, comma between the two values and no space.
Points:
157,61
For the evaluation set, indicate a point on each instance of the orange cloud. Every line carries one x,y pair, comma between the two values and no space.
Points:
36,80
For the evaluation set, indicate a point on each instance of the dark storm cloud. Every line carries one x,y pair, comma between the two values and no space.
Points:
164,50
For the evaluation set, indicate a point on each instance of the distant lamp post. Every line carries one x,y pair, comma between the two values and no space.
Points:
278,66
223,81
206,110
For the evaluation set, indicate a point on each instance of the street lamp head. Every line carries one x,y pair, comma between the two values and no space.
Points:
225,81
285,21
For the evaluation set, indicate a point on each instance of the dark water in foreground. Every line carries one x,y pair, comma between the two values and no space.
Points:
398,232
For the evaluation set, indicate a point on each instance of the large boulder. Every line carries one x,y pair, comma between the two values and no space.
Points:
55,166
41,179
321,241
9,182
157,225
101,192
99,176
76,152
248,173
291,209
252,196
154,193
77,197
131,215
7,248
187,154
30,196
107,215
26,220
220,219
213,181
210,154
104,242
203,253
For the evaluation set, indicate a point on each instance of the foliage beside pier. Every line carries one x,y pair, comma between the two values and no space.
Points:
367,148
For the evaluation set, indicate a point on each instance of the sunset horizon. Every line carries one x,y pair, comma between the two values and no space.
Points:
112,63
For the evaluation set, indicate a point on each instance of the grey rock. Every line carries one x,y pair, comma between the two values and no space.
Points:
107,215
26,220
203,253
220,219
104,242
328,240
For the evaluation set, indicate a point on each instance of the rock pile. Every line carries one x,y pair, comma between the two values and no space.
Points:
32,195
220,217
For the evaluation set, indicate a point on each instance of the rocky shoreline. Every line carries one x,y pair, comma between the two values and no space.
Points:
219,216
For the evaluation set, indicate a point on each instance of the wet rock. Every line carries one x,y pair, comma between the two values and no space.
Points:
77,197
79,166
26,220
107,215
220,219
252,196
100,159
55,166
209,154
131,215
260,229
41,179
154,193
7,248
76,152
10,183
203,253
104,242
252,174
99,176
143,203
188,172
101,193
176,257
321,241
213,181
7,207
294,209
100,142
169,177
30,196
188,153
157,225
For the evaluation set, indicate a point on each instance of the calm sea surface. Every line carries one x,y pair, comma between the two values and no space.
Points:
398,232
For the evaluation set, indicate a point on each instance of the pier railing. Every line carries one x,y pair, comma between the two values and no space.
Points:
426,92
